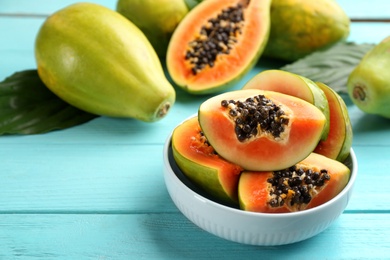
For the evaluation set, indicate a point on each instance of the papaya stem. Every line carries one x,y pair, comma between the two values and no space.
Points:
163,110
359,93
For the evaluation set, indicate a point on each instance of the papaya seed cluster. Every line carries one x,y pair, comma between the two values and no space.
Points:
295,185
216,37
205,143
256,115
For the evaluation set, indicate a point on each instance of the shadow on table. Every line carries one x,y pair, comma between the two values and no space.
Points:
368,123
175,237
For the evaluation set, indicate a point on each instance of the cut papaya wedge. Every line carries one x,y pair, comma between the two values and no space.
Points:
202,165
310,183
261,130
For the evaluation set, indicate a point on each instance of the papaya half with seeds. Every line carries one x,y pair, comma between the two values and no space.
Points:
310,183
217,43
261,130
369,83
157,19
300,27
98,61
202,165
294,85
338,144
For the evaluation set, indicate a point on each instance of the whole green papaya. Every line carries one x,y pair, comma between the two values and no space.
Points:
98,61
300,27
369,83
157,19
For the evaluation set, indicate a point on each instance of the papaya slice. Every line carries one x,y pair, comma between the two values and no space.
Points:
339,141
261,130
310,183
202,165
294,85
217,43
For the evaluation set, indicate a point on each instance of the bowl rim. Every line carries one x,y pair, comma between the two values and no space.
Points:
353,174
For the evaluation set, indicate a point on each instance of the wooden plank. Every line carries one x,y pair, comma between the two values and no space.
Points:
124,178
172,236
373,9
82,178
360,9
368,32
44,8
17,44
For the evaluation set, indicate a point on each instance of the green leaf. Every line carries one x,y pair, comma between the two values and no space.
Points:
192,3
332,66
27,106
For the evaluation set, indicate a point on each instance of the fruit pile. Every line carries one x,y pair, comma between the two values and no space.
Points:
267,147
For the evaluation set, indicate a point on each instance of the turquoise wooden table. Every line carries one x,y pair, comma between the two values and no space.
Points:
96,191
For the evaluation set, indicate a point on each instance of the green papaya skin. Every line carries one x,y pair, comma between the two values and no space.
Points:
157,19
369,83
339,142
98,61
300,27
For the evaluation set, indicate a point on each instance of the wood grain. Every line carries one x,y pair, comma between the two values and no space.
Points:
172,236
96,191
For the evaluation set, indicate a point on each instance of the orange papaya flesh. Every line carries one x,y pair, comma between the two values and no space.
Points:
339,141
268,192
262,151
202,165
293,85
234,54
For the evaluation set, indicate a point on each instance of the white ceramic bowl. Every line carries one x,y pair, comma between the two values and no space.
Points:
245,227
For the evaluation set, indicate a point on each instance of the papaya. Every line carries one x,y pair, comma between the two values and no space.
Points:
98,61
157,19
295,85
307,184
261,130
198,160
217,43
369,83
300,27
339,141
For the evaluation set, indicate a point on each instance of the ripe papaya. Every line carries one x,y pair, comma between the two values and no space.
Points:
307,184
261,130
300,27
98,61
369,83
217,43
157,19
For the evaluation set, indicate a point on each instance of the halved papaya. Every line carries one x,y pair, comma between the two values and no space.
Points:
261,130
202,165
217,43
310,183
293,85
339,141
